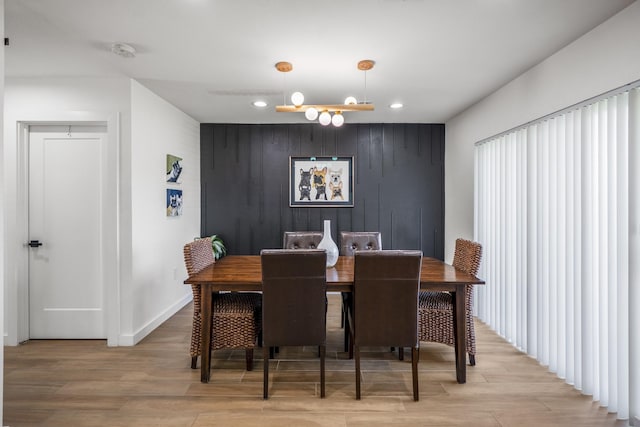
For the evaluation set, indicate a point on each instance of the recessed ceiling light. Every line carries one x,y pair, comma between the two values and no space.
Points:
123,50
396,105
260,104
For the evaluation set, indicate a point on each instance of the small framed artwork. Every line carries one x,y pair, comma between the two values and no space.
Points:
320,181
174,202
174,168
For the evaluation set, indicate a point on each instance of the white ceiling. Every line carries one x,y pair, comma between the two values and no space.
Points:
212,58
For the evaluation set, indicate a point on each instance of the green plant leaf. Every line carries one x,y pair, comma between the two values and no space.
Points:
219,249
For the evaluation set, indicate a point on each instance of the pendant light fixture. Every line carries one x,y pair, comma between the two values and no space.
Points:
325,113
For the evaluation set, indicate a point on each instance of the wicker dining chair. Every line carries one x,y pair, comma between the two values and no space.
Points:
385,309
436,308
294,286
350,242
237,316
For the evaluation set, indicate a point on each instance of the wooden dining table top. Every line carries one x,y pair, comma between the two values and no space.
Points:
244,273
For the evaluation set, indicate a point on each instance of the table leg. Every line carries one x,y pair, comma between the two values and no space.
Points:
205,337
460,333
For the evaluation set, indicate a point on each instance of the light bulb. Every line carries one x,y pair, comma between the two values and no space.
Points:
350,100
396,105
311,114
325,118
259,104
337,119
297,98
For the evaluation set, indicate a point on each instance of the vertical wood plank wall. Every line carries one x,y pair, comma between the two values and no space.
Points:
398,183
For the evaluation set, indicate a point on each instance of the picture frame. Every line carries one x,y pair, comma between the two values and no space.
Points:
174,202
321,181
174,169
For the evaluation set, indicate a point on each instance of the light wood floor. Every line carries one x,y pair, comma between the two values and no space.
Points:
85,383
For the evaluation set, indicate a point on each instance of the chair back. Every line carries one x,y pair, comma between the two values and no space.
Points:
386,290
198,255
301,239
467,256
294,286
352,241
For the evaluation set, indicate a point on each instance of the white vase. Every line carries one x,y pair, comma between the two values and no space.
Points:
329,245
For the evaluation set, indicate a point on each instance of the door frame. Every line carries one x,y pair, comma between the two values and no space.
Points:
110,155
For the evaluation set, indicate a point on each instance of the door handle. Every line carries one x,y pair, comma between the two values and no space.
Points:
34,243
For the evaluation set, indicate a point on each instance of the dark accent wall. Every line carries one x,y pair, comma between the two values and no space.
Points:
398,183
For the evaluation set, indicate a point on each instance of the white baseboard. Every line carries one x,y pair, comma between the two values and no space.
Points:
133,339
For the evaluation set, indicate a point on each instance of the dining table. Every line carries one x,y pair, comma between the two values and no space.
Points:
243,273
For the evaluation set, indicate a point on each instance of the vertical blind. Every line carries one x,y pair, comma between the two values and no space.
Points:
557,212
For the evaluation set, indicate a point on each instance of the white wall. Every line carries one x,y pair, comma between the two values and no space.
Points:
28,99
147,278
603,59
2,224
158,270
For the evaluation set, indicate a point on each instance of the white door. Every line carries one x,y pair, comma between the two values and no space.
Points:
66,298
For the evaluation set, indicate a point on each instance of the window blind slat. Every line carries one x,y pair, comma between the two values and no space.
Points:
557,211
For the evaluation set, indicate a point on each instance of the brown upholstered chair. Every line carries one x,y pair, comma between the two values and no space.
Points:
236,316
301,239
350,242
436,308
385,310
294,286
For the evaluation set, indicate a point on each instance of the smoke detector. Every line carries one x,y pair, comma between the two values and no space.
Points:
123,50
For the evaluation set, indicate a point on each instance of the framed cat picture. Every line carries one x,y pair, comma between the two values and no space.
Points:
321,181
